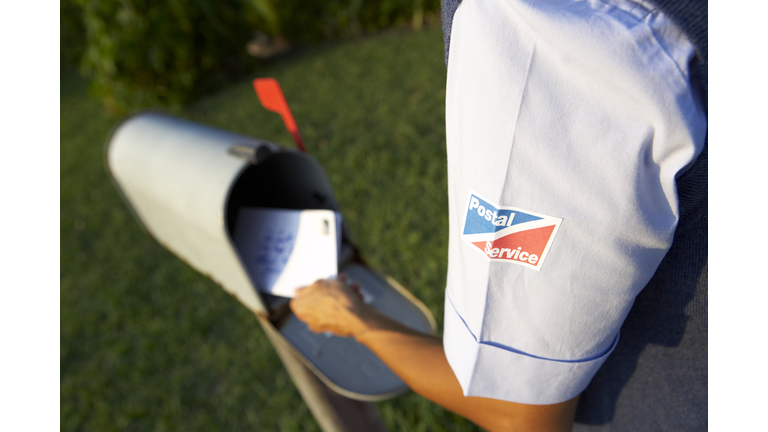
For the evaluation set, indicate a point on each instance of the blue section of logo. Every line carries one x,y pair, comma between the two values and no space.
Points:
483,217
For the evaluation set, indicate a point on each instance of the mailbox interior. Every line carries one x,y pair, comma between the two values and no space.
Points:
291,180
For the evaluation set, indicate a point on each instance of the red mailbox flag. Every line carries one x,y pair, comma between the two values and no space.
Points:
271,98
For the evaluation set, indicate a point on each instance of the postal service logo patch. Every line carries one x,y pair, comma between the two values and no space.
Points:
508,234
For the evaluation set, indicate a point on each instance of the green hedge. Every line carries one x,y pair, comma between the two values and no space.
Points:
313,21
147,53
141,53
71,34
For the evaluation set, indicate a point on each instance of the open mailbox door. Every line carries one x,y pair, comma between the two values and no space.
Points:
185,183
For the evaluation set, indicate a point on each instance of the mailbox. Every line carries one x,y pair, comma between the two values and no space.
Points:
185,183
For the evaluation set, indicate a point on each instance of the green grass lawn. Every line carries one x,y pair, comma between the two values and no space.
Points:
148,344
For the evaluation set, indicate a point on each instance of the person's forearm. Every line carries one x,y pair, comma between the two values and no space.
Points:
420,361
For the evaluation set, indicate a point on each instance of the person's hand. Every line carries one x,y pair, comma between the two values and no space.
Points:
331,306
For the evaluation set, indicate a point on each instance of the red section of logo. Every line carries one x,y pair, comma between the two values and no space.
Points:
524,246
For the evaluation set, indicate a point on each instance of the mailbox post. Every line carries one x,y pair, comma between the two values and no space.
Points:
185,183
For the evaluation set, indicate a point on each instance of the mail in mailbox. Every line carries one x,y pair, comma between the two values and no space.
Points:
190,186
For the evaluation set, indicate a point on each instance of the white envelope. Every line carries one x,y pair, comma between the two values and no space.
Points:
288,249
